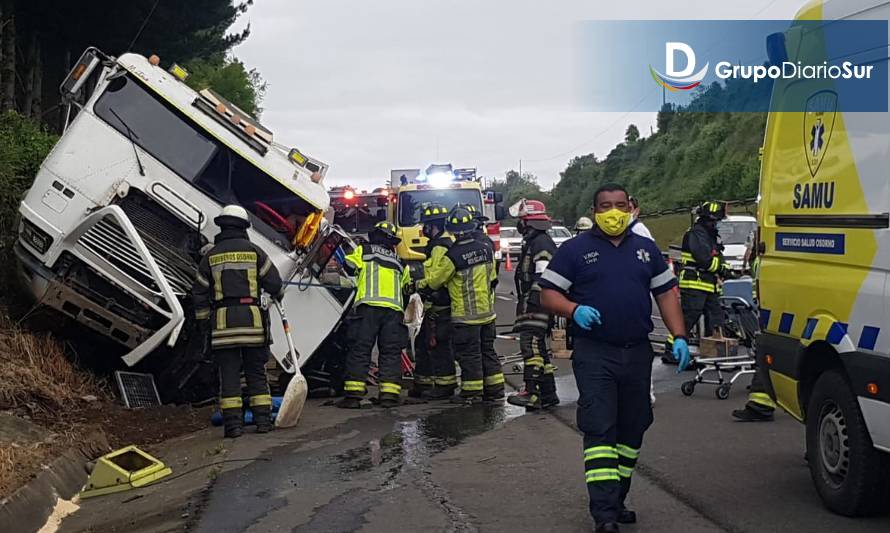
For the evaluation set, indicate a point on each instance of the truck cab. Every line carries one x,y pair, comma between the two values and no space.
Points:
122,208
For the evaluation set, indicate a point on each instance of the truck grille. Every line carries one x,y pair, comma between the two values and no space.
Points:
107,240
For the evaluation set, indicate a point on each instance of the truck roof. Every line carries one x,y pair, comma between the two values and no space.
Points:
274,162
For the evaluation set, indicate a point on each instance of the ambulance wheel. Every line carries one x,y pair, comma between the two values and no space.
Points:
850,475
722,392
687,388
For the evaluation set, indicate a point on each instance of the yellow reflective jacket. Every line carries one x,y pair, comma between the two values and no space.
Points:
381,276
467,269
435,252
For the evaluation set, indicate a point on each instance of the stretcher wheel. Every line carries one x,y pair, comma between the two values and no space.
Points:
687,388
722,392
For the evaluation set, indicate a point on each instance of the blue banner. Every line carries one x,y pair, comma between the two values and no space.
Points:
814,243
734,65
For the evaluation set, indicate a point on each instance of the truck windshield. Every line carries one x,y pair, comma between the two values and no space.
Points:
735,232
410,202
217,170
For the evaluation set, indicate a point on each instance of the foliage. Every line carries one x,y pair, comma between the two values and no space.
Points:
514,187
231,79
23,146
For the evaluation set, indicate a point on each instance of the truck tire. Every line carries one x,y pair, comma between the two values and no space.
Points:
850,475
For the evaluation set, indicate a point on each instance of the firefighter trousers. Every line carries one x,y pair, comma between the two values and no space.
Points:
695,303
480,368
434,359
613,414
383,326
231,361
758,399
537,365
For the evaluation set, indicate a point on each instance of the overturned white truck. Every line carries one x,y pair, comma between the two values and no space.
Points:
113,227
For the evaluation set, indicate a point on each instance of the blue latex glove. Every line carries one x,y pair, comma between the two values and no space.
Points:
586,316
681,354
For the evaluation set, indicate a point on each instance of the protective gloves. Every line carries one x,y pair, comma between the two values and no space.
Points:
586,316
681,353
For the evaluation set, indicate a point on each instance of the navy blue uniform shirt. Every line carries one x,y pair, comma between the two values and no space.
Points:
615,280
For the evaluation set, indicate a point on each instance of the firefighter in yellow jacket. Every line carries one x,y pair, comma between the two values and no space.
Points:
467,270
227,301
379,309
434,375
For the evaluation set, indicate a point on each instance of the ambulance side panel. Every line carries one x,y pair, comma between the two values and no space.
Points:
824,222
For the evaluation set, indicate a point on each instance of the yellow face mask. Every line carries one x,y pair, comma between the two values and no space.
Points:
613,222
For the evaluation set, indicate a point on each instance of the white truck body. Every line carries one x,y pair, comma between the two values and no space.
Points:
125,230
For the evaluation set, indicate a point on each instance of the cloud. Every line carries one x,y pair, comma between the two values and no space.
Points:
370,86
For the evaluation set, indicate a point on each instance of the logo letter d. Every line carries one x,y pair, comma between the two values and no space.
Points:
669,52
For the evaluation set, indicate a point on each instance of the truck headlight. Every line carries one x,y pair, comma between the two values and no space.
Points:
35,237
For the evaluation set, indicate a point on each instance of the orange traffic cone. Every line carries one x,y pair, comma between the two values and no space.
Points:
509,267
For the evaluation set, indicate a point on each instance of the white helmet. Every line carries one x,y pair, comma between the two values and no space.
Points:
233,215
583,224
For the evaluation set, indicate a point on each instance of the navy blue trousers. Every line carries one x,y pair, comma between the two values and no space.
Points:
613,413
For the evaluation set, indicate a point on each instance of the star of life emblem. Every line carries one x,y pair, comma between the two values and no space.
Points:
643,255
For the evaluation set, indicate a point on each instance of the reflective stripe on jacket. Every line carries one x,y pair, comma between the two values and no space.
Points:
381,276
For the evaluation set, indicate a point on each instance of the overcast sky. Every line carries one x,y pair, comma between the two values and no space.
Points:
371,85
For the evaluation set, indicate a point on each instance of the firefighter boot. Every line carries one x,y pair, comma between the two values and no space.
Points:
626,516
439,393
262,417
750,414
233,422
521,398
548,390
388,400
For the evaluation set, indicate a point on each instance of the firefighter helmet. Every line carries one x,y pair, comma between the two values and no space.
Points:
529,210
476,213
233,216
433,212
460,221
385,229
713,210
583,224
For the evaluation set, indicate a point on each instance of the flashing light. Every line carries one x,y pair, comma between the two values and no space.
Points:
180,73
440,179
348,194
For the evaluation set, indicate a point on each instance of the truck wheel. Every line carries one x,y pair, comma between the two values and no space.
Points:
849,473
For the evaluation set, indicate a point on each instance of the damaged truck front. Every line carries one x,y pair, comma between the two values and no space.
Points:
114,225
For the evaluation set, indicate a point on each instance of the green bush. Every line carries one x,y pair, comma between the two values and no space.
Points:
24,144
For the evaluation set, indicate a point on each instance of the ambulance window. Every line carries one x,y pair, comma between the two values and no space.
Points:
136,113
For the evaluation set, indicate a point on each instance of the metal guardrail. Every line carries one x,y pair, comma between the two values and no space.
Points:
688,209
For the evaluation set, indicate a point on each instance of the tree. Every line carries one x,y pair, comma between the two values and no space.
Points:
231,79
632,134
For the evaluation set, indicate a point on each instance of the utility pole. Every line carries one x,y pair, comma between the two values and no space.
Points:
520,168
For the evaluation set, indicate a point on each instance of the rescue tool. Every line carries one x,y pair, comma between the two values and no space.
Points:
297,390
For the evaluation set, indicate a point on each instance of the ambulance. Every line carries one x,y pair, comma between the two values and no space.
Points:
824,238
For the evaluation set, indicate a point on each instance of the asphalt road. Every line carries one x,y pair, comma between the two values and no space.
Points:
439,467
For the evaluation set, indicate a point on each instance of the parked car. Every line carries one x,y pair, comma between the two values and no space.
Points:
735,233
511,241
559,234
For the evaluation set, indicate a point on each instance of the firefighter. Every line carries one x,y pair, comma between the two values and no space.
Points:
702,265
532,321
379,310
467,270
583,224
227,302
434,374
605,279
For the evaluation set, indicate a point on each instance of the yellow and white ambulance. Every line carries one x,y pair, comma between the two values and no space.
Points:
823,284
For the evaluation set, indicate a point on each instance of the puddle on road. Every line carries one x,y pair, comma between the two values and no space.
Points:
413,441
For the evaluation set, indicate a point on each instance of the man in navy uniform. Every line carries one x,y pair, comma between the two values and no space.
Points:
603,280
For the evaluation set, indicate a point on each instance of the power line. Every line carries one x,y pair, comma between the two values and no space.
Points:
144,23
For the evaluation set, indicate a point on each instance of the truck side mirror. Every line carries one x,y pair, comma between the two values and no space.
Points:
499,212
498,197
